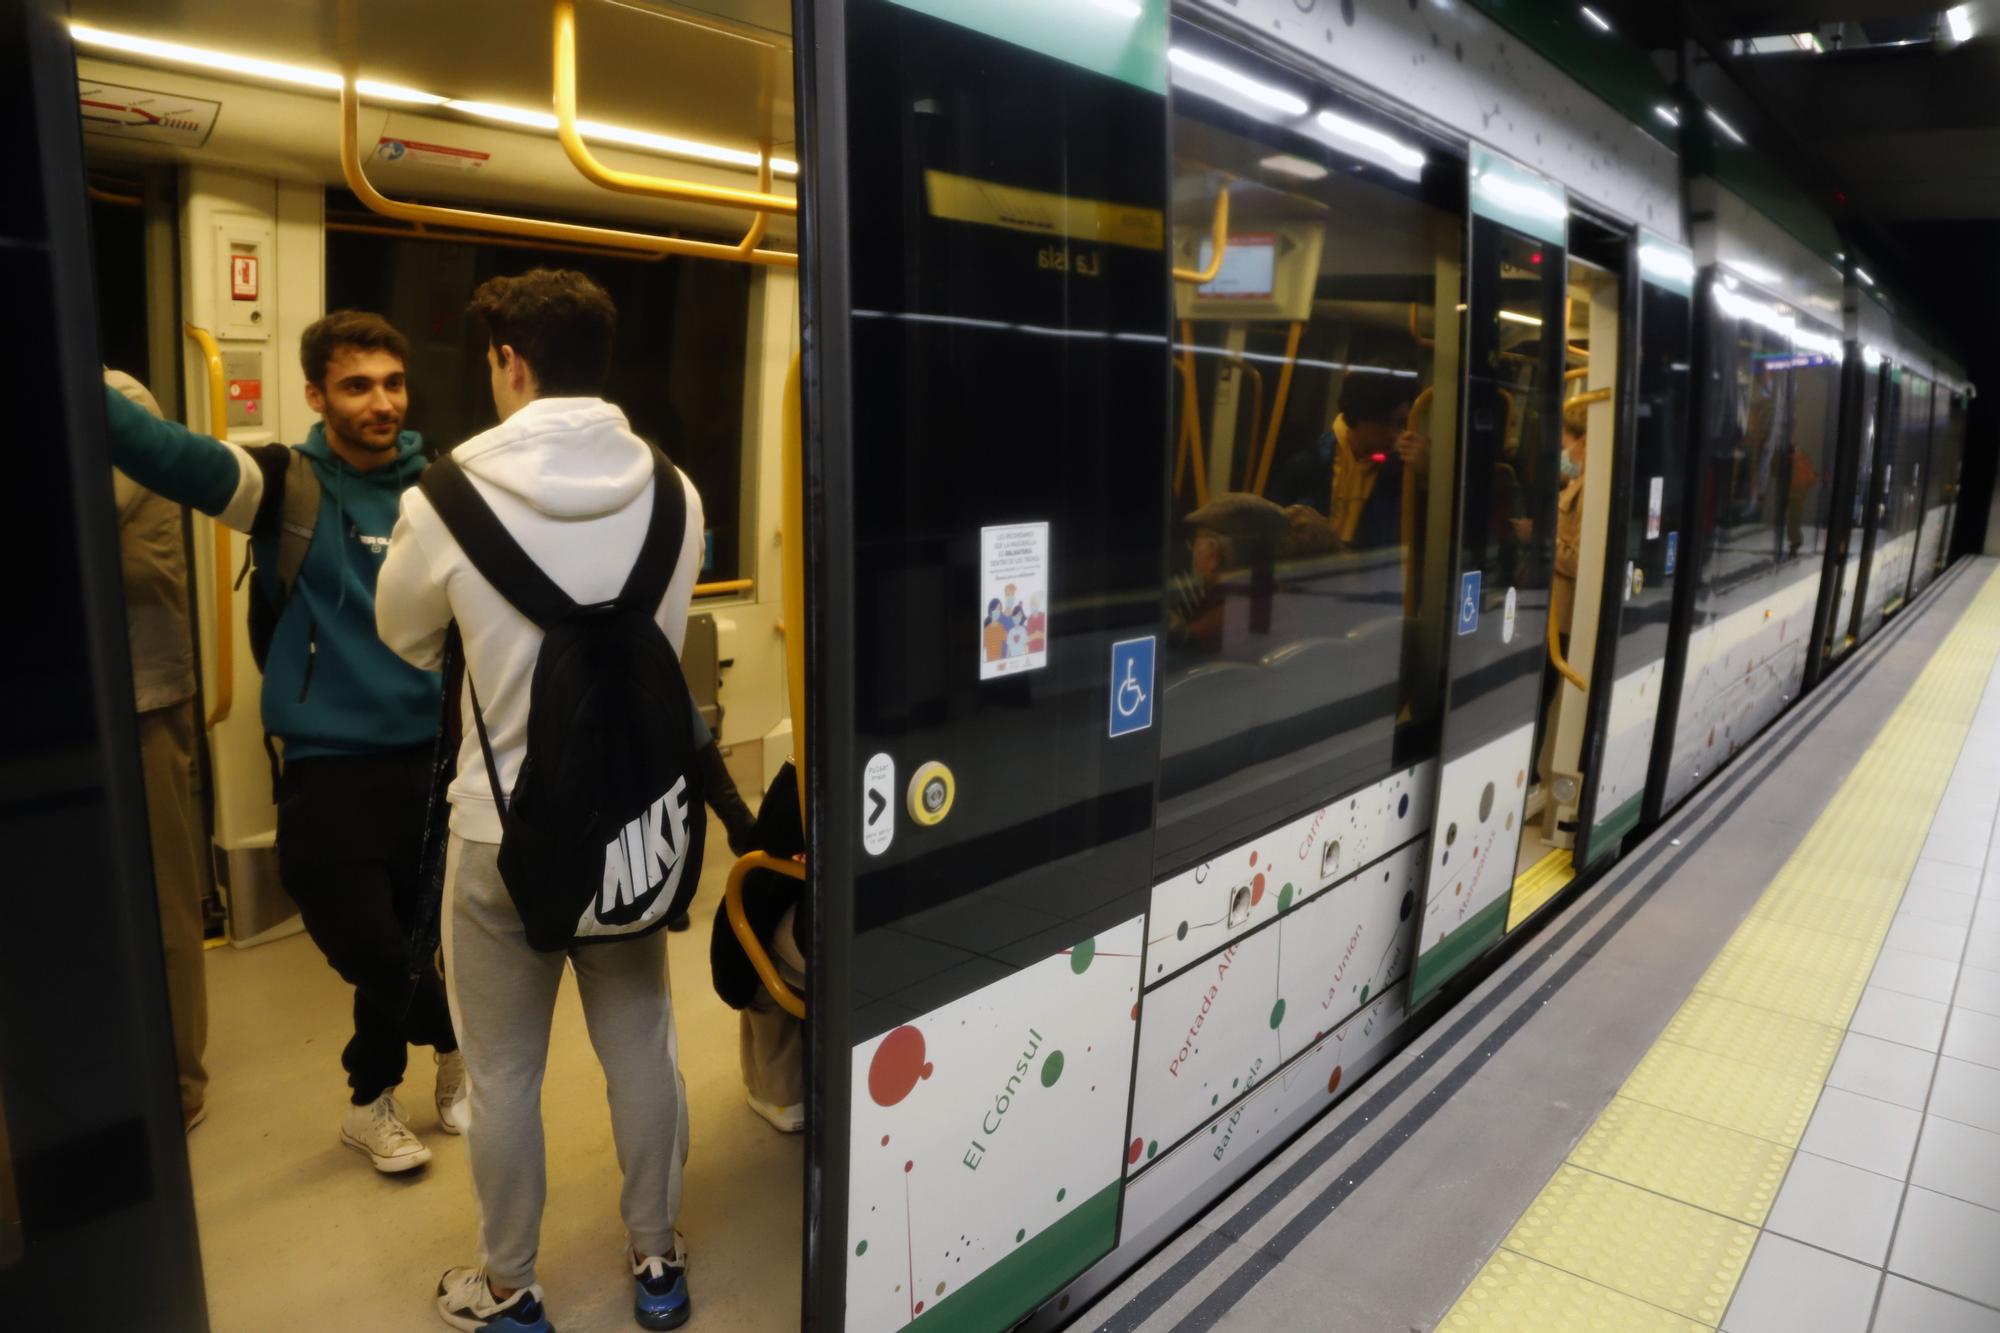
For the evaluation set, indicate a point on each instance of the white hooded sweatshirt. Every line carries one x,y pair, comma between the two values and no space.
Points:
574,486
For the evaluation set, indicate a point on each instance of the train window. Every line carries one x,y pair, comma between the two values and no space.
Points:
677,368
1304,446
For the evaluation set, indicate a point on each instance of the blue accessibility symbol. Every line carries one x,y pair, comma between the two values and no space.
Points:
1673,549
1468,601
1132,685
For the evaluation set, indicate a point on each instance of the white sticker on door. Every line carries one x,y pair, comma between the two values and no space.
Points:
878,805
1655,497
1014,599
1507,619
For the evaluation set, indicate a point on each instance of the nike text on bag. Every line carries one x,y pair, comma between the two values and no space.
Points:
601,837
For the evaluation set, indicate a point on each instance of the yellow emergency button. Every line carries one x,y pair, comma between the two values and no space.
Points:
931,792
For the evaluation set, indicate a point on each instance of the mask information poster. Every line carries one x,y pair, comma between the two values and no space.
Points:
1014,599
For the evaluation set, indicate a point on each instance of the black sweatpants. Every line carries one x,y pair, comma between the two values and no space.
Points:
350,834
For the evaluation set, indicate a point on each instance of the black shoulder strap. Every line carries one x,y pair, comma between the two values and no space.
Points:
661,551
491,548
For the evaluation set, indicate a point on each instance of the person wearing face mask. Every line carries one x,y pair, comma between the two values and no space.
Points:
1569,540
350,725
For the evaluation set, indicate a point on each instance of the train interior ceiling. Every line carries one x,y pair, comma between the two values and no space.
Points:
212,132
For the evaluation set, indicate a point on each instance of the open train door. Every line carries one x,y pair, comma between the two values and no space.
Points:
986,307
93,1159
1643,550
1507,481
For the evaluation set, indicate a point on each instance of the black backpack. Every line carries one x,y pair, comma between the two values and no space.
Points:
601,838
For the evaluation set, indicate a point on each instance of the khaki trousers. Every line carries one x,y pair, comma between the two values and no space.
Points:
770,1042
166,755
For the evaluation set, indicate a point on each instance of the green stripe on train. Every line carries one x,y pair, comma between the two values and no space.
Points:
1447,959
1035,1270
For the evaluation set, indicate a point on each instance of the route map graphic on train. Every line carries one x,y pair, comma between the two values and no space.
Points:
141,113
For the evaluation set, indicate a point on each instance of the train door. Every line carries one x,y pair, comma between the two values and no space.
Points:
986,306
1644,546
92,1164
1881,389
1508,481
1850,526
1940,481
1903,489
1595,342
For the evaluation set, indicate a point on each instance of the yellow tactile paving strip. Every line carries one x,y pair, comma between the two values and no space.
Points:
1650,1222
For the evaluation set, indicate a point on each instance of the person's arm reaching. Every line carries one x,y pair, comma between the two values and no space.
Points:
221,480
412,610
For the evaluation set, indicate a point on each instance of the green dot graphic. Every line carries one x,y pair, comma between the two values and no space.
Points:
1285,898
1020,1235
1052,1069
1081,955
1152,1148
861,1249
1277,1013
1062,1194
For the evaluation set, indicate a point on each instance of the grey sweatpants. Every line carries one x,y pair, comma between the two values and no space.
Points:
503,996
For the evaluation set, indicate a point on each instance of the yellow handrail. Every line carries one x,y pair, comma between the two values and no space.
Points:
722,586
1415,336
1561,663
1263,476
506,225
225,554
1218,242
632,182
732,904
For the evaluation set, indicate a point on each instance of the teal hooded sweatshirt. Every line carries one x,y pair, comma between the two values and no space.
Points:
330,685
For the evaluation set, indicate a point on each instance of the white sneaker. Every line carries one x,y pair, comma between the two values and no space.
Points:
451,1093
784,1119
377,1129
465,1300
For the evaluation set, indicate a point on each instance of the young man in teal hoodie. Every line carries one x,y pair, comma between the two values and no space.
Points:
355,723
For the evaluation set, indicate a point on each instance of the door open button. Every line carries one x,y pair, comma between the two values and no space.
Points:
931,792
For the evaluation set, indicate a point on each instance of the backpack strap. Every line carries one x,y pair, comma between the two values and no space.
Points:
647,584
298,518
491,548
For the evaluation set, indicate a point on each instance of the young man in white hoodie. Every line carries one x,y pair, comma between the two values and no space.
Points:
573,485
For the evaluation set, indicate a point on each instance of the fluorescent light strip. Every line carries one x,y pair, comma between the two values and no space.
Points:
1666,263
1668,114
1756,272
98,39
1724,126
1959,20
1513,318
176,54
1368,136
1862,274
1294,166
1603,24
1522,197
1221,75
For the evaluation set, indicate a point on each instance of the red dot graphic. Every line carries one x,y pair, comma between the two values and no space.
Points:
919,1308
1333,1083
1256,890
1253,858
897,1065
885,1140
1132,1153
908,1167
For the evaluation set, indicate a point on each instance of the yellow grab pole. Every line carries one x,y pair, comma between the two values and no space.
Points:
225,554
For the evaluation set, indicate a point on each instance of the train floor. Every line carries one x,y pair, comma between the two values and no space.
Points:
298,1232
1749,1080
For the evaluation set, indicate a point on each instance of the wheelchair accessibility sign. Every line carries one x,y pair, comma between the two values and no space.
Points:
1132,685
1468,601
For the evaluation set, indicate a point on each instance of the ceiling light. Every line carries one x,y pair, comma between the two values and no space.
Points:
328,81
1223,76
1871,355
1862,274
201,58
1603,24
1668,114
1514,318
1294,166
1959,19
1666,263
391,92
1368,136
1724,126
1522,197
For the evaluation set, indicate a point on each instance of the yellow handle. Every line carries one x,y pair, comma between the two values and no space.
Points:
632,182
1561,663
225,555
506,225
1218,242
725,585
732,903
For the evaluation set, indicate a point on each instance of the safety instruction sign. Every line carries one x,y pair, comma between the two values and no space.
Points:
1132,685
1013,598
420,154
878,804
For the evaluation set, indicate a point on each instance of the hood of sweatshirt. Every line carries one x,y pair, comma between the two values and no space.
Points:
567,458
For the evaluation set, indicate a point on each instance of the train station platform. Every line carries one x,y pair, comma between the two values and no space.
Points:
1748,1081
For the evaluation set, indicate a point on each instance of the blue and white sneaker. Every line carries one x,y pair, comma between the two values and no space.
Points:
467,1302
660,1288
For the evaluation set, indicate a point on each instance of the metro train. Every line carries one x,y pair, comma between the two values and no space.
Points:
1237,513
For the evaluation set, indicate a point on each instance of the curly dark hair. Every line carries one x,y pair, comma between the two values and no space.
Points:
347,328
1371,392
558,321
